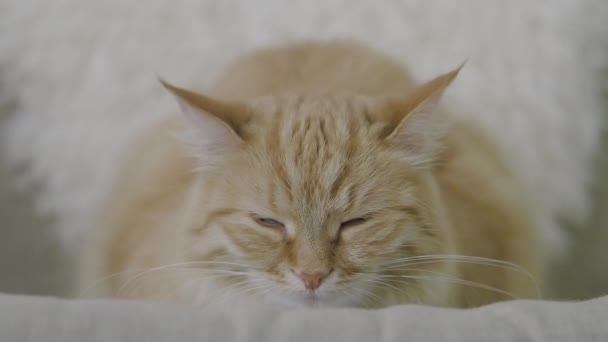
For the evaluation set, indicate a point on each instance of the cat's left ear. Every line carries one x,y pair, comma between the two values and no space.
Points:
215,126
415,126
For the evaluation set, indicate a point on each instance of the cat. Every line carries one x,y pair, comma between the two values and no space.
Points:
315,174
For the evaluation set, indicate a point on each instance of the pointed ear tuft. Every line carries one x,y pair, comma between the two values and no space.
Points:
415,127
214,127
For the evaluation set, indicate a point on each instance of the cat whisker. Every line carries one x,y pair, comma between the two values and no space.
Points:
427,259
249,289
117,274
132,288
459,258
266,291
100,281
452,257
175,267
179,288
243,283
367,296
379,282
240,289
453,280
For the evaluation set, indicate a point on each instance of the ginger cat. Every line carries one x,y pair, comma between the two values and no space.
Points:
315,174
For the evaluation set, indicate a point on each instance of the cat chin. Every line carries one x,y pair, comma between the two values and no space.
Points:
285,301
307,300
327,296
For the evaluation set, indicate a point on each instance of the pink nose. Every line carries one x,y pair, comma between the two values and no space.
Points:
313,280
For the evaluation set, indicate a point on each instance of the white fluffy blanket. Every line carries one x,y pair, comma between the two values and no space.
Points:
49,320
83,75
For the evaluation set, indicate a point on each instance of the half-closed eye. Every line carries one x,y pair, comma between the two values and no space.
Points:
269,223
353,222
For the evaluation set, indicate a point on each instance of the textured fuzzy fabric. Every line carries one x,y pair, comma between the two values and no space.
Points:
83,74
36,319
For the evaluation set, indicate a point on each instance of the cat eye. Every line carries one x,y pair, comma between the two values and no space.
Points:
354,222
268,222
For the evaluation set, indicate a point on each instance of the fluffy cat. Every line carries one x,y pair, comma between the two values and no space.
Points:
315,174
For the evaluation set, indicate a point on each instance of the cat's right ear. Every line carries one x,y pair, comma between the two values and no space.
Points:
215,126
415,127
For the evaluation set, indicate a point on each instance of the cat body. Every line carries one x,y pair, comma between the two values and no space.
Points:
315,174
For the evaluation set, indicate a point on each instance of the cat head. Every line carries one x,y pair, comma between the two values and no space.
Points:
317,199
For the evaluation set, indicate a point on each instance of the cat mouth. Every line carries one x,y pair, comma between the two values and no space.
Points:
311,298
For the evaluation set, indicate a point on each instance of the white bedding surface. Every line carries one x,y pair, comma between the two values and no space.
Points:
35,319
76,70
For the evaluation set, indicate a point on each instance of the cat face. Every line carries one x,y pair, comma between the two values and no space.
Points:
317,200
